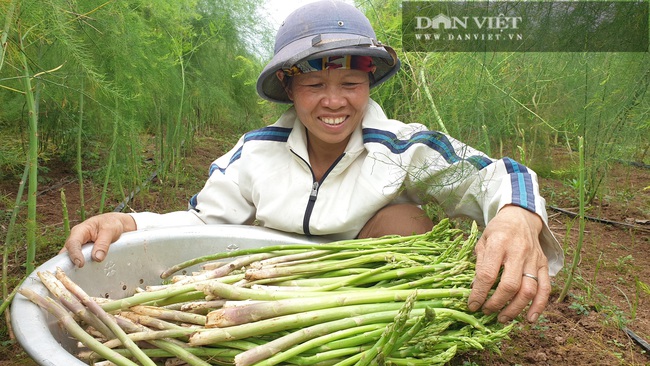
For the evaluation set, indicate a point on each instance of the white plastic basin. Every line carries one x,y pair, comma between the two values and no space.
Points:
136,259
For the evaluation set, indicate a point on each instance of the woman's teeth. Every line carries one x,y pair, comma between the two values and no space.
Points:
333,121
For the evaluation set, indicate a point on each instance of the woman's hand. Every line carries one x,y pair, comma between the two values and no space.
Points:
103,230
511,240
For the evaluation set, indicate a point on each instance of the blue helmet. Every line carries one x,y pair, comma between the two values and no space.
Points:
320,29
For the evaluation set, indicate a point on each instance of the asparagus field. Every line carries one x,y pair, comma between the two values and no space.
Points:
395,300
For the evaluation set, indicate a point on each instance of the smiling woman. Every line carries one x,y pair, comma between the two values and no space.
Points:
331,105
334,164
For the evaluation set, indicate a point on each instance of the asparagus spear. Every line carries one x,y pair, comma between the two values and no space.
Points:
72,303
65,319
230,316
104,317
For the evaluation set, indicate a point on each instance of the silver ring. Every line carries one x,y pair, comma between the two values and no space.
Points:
530,276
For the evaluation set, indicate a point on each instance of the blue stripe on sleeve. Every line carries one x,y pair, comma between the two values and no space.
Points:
433,139
522,184
279,134
520,178
193,201
214,167
514,167
479,161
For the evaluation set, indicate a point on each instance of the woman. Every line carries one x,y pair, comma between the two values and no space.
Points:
334,164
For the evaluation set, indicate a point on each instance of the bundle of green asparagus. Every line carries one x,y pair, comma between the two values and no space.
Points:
395,300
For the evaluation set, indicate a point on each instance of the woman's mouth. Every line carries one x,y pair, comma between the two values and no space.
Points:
333,121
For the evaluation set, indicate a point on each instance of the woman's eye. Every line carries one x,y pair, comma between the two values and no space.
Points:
351,85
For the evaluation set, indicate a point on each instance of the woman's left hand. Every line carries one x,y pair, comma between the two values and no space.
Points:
511,240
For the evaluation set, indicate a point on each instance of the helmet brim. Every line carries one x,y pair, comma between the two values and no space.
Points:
270,88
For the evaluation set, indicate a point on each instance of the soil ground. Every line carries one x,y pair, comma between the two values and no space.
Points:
609,294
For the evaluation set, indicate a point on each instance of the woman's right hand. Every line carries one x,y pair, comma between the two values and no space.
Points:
102,230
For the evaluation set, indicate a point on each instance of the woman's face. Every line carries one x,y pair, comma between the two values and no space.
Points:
331,104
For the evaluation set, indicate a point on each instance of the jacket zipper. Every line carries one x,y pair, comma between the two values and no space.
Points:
310,206
314,191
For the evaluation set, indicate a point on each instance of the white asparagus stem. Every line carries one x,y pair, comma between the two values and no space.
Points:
73,304
152,322
104,317
65,319
290,258
167,314
202,307
224,270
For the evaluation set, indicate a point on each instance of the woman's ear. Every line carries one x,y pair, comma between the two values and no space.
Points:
285,83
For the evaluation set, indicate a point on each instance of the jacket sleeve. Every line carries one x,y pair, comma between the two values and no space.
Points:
219,202
466,182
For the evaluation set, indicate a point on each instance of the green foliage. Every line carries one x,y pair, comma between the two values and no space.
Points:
87,82
579,308
12,157
523,104
642,287
541,326
140,67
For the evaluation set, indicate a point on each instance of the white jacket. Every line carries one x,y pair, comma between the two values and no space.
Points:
266,178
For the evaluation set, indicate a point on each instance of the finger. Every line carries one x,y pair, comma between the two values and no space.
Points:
487,272
508,287
101,245
73,246
527,291
541,297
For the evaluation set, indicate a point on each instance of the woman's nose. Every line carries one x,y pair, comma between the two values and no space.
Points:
333,98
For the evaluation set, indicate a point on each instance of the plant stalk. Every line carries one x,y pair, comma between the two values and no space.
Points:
32,161
6,297
78,164
581,231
